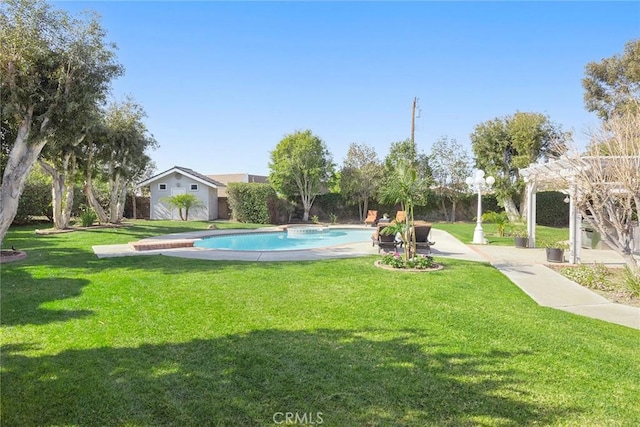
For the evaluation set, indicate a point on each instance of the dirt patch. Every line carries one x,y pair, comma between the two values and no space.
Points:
47,231
615,292
11,255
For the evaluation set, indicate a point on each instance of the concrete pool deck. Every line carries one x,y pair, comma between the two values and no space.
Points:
524,267
183,248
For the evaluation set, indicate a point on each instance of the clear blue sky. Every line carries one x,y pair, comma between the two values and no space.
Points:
223,82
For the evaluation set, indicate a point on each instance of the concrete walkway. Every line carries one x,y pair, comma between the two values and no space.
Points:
524,267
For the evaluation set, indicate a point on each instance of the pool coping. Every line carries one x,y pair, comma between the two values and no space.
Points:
181,245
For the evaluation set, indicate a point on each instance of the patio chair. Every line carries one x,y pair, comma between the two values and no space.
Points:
401,216
387,242
422,232
372,217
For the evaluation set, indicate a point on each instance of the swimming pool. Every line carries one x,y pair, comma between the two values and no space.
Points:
296,238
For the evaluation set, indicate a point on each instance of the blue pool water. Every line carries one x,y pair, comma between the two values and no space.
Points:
280,241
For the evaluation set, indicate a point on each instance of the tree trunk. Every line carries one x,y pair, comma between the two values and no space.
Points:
524,203
62,184
364,209
307,202
134,209
94,203
21,159
444,208
121,202
117,192
89,192
453,210
511,209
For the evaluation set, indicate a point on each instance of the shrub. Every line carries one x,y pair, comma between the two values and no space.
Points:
87,216
397,261
420,262
394,260
499,218
632,282
593,276
35,200
253,202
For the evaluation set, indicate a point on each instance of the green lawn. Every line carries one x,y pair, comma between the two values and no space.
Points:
156,340
464,233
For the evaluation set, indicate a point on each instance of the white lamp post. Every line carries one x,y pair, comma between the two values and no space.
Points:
479,183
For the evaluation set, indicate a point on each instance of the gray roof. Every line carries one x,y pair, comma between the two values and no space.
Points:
185,171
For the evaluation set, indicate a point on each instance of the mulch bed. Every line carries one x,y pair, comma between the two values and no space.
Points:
10,256
436,267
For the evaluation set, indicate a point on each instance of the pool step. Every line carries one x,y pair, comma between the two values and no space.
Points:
161,244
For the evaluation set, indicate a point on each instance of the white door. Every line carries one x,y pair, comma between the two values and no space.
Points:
175,215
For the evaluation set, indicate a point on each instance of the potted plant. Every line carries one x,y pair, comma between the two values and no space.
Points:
555,250
520,237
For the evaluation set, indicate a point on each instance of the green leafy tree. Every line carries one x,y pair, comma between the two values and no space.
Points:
301,166
117,154
612,86
184,202
450,165
360,176
505,145
407,150
51,66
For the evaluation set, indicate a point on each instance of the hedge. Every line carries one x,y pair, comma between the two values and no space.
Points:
551,210
253,202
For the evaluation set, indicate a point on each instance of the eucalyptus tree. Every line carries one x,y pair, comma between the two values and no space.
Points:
360,176
301,166
450,165
52,65
59,159
505,145
612,86
118,155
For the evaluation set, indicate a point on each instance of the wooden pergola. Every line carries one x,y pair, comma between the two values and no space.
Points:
560,175
555,175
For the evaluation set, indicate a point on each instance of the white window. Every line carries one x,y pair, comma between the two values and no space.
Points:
193,187
162,186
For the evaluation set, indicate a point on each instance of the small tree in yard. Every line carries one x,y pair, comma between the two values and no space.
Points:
505,145
360,176
607,181
301,166
183,201
450,165
407,188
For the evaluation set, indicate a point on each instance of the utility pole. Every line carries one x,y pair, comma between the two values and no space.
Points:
413,119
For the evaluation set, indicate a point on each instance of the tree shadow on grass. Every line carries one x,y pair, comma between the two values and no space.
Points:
21,297
351,377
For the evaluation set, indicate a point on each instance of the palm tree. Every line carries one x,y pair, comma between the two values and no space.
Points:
405,187
184,201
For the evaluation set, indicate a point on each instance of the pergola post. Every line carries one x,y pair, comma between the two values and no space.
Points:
531,213
575,234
